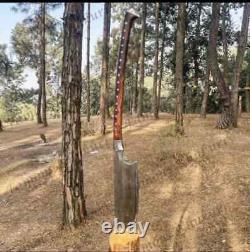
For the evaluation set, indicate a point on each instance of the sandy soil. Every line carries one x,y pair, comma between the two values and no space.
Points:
194,190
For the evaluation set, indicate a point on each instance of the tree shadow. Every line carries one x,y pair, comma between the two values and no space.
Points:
178,244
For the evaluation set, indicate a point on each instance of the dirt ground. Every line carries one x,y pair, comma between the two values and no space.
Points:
194,190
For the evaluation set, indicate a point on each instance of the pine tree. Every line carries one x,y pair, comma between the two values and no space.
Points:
105,67
74,209
180,36
154,97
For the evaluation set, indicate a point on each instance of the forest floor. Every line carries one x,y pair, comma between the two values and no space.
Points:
194,189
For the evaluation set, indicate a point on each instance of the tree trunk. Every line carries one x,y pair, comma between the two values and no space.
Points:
205,94
42,65
108,72
87,65
240,106
247,92
39,101
135,89
239,61
74,209
1,126
142,55
180,36
154,97
225,119
161,62
105,66
196,54
224,41
108,102
131,97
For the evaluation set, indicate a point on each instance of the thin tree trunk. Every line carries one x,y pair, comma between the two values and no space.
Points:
136,79
135,89
196,60
87,65
205,94
108,72
240,106
180,36
42,66
131,96
1,126
239,61
247,92
154,97
224,41
74,208
162,61
142,55
105,66
225,119
39,101
107,107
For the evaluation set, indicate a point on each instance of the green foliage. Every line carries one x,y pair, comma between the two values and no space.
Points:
94,96
53,101
19,104
10,102
25,41
27,112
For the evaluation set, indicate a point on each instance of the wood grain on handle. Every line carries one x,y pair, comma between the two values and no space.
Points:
120,73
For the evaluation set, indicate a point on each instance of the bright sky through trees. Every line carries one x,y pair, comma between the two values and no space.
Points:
9,18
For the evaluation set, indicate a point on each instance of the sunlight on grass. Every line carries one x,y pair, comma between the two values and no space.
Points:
155,126
10,182
13,166
164,191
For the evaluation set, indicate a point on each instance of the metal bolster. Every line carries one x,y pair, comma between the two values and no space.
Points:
118,145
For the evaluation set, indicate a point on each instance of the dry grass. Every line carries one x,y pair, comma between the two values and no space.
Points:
194,189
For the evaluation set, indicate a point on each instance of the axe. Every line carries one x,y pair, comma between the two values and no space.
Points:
126,186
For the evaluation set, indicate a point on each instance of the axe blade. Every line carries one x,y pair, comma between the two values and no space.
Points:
126,185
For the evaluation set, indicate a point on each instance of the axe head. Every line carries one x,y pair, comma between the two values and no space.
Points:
126,185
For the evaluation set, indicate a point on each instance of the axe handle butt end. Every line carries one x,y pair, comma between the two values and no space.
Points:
124,242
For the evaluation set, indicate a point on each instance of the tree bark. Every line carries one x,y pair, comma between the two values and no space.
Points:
161,61
135,89
205,94
239,61
154,97
42,65
224,41
247,92
196,43
240,106
39,101
74,209
108,72
87,65
1,126
108,101
180,36
105,67
142,56
131,96
225,119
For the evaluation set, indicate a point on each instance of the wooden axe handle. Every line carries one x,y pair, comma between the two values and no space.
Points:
130,16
